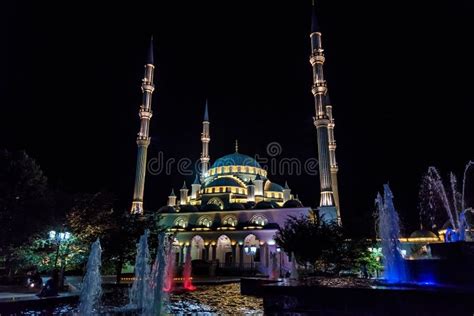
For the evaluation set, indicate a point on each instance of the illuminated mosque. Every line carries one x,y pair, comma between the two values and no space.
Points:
231,212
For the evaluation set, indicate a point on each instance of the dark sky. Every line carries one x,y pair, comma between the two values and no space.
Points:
399,75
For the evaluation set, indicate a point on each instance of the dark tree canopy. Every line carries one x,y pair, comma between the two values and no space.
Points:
326,247
25,202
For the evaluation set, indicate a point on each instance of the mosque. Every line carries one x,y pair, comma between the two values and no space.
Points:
229,216
231,212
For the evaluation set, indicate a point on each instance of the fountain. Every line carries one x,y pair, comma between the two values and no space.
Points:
170,270
389,231
274,273
155,296
455,209
91,291
294,268
187,272
138,292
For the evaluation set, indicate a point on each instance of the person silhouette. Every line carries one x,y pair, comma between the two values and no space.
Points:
51,286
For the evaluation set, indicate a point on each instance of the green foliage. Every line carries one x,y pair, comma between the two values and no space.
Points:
95,216
29,210
326,247
91,216
42,253
371,260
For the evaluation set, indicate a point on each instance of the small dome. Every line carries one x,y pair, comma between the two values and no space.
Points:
423,234
249,205
236,159
270,186
236,206
225,182
166,209
211,207
292,204
188,208
264,205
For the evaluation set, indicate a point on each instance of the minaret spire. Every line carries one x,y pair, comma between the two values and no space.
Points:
143,140
206,113
321,121
332,155
150,57
205,139
314,20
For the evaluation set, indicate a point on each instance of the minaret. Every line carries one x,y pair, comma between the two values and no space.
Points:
258,182
251,191
205,139
286,193
321,121
172,198
195,188
183,198
332,157
143,139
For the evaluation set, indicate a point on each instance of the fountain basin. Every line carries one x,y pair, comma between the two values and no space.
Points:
313,299
12,306
254,286
452,264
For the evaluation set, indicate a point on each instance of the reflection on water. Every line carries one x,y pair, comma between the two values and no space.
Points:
215,300
222,299
63,309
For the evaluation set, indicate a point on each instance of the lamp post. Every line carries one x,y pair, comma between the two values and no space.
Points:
279,252
58,238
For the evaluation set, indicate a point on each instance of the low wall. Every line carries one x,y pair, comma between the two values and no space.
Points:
314,300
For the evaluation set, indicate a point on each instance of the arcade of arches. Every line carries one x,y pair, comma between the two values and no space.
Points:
249,253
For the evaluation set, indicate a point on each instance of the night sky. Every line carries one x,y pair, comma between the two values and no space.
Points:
399,75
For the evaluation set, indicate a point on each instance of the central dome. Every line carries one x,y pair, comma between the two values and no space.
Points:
236,159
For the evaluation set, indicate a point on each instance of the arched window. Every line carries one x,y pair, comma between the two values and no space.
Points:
205,221
197,247
230,220
251,240
259,220
181,222
217,202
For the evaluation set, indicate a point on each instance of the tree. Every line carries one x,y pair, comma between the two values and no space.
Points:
98,216
326,247
91,216
25,201
44,254
120,241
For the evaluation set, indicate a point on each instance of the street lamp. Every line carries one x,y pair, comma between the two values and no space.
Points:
278,249
58,238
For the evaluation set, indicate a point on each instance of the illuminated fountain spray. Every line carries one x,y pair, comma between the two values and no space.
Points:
187,272
274,273
389,231
294,268
455,208
91,291
141,285
155,296
437,184
170,270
